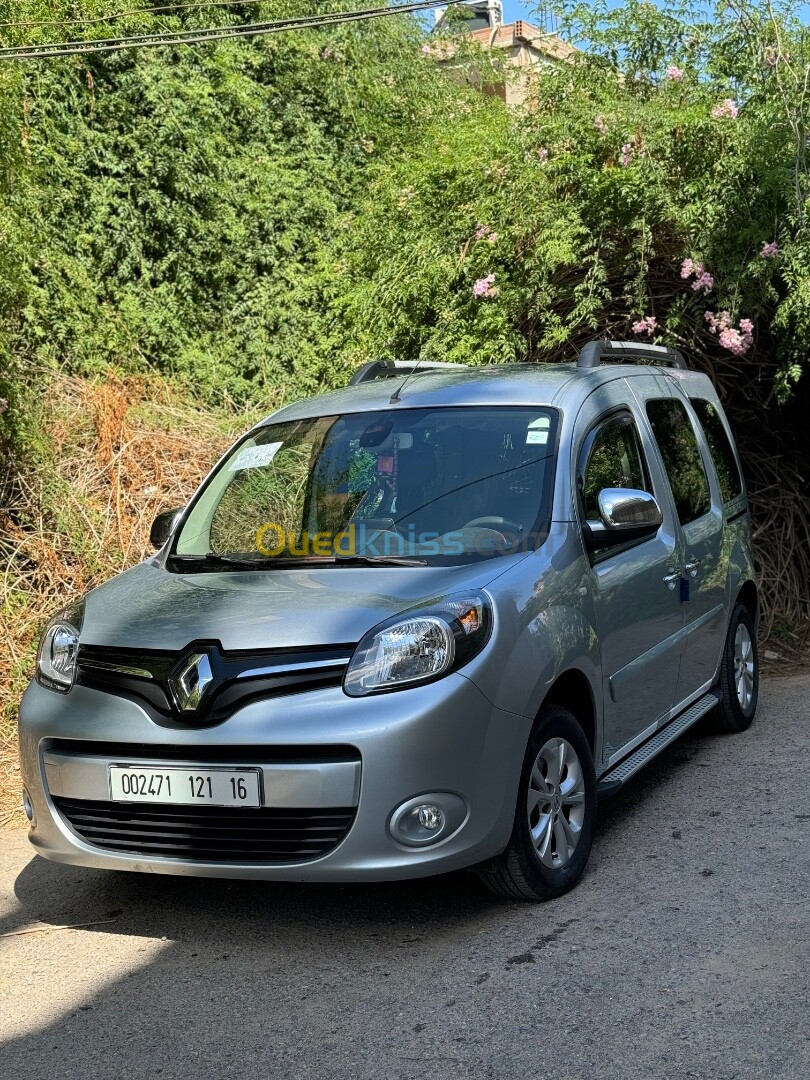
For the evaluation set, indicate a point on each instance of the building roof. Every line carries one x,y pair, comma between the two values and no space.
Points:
510,34
507,36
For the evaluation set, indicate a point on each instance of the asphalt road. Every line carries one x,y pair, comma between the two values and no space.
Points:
684,952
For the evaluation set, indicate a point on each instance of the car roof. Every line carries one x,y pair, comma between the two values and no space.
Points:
497,384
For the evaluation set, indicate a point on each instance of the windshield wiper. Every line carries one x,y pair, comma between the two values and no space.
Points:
212,559
267,562
378,560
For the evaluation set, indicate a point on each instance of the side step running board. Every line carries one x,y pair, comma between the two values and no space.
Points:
616,777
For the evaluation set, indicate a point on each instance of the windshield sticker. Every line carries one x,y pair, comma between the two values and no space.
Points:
253,457
537,434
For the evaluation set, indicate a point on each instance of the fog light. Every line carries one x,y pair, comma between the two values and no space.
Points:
28,807
430,816
426,819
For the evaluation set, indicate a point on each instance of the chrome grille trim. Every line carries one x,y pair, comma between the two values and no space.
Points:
283,669
122,669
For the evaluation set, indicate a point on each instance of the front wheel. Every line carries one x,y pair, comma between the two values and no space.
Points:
739,672
554,819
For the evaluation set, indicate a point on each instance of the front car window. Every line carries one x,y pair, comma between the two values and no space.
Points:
681,455
614,461
443,485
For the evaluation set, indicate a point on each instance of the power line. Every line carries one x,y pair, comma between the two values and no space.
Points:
219,33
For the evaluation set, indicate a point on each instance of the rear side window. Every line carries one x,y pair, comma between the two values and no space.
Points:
614,461
679,449
722,452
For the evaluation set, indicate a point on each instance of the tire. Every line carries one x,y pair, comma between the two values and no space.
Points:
532,869
739,673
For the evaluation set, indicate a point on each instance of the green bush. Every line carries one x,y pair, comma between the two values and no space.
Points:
649,188
180,204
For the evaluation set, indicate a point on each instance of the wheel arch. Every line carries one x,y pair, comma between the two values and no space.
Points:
748,596
572,690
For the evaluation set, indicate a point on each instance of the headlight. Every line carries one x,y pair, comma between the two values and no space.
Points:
419,646
56,659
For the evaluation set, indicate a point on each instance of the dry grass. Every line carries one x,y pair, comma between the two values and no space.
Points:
117,453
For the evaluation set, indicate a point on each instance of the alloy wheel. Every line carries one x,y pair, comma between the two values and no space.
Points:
555,802
744,666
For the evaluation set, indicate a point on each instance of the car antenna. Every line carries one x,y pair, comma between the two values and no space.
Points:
394,399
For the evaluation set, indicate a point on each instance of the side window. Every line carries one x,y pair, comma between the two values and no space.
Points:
722,453
678,445
614,460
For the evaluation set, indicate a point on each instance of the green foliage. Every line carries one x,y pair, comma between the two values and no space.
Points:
673,137
174,209
267,213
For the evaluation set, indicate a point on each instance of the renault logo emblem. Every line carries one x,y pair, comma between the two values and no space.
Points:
190,682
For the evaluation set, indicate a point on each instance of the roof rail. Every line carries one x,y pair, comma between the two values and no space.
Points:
592,354
389,369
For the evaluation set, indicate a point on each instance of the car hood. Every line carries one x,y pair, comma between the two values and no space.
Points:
149,608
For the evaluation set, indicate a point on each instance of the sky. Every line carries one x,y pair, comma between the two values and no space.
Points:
523,9
516,9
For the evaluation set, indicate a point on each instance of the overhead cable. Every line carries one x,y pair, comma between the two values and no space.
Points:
90,20
219,33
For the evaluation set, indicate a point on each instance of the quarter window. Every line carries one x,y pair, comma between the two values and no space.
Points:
614,461
681,454
725,462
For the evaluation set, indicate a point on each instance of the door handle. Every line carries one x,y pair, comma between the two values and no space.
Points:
672,578
692,567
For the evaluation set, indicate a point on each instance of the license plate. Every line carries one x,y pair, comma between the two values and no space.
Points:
187,786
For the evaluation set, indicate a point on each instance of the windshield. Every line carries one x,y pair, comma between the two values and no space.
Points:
438,486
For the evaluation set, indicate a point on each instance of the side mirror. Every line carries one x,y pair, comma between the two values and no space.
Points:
622,508
627,514
163,527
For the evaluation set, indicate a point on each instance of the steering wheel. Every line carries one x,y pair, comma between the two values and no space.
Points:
496,523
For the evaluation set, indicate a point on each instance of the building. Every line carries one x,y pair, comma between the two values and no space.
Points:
518,49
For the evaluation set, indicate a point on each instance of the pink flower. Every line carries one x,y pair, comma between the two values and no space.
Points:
484,232
717,322
648,324
542,153
426,49
599,124
769,250
725,110
485,286
704,281
674,73
627,154
736,341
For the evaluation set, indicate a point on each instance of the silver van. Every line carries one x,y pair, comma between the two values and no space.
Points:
421,623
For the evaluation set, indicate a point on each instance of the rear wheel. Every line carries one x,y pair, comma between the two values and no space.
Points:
739,672
554,819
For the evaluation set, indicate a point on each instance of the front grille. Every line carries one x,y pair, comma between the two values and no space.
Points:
266,835
148,676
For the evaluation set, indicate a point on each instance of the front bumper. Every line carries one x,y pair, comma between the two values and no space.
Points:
443,737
